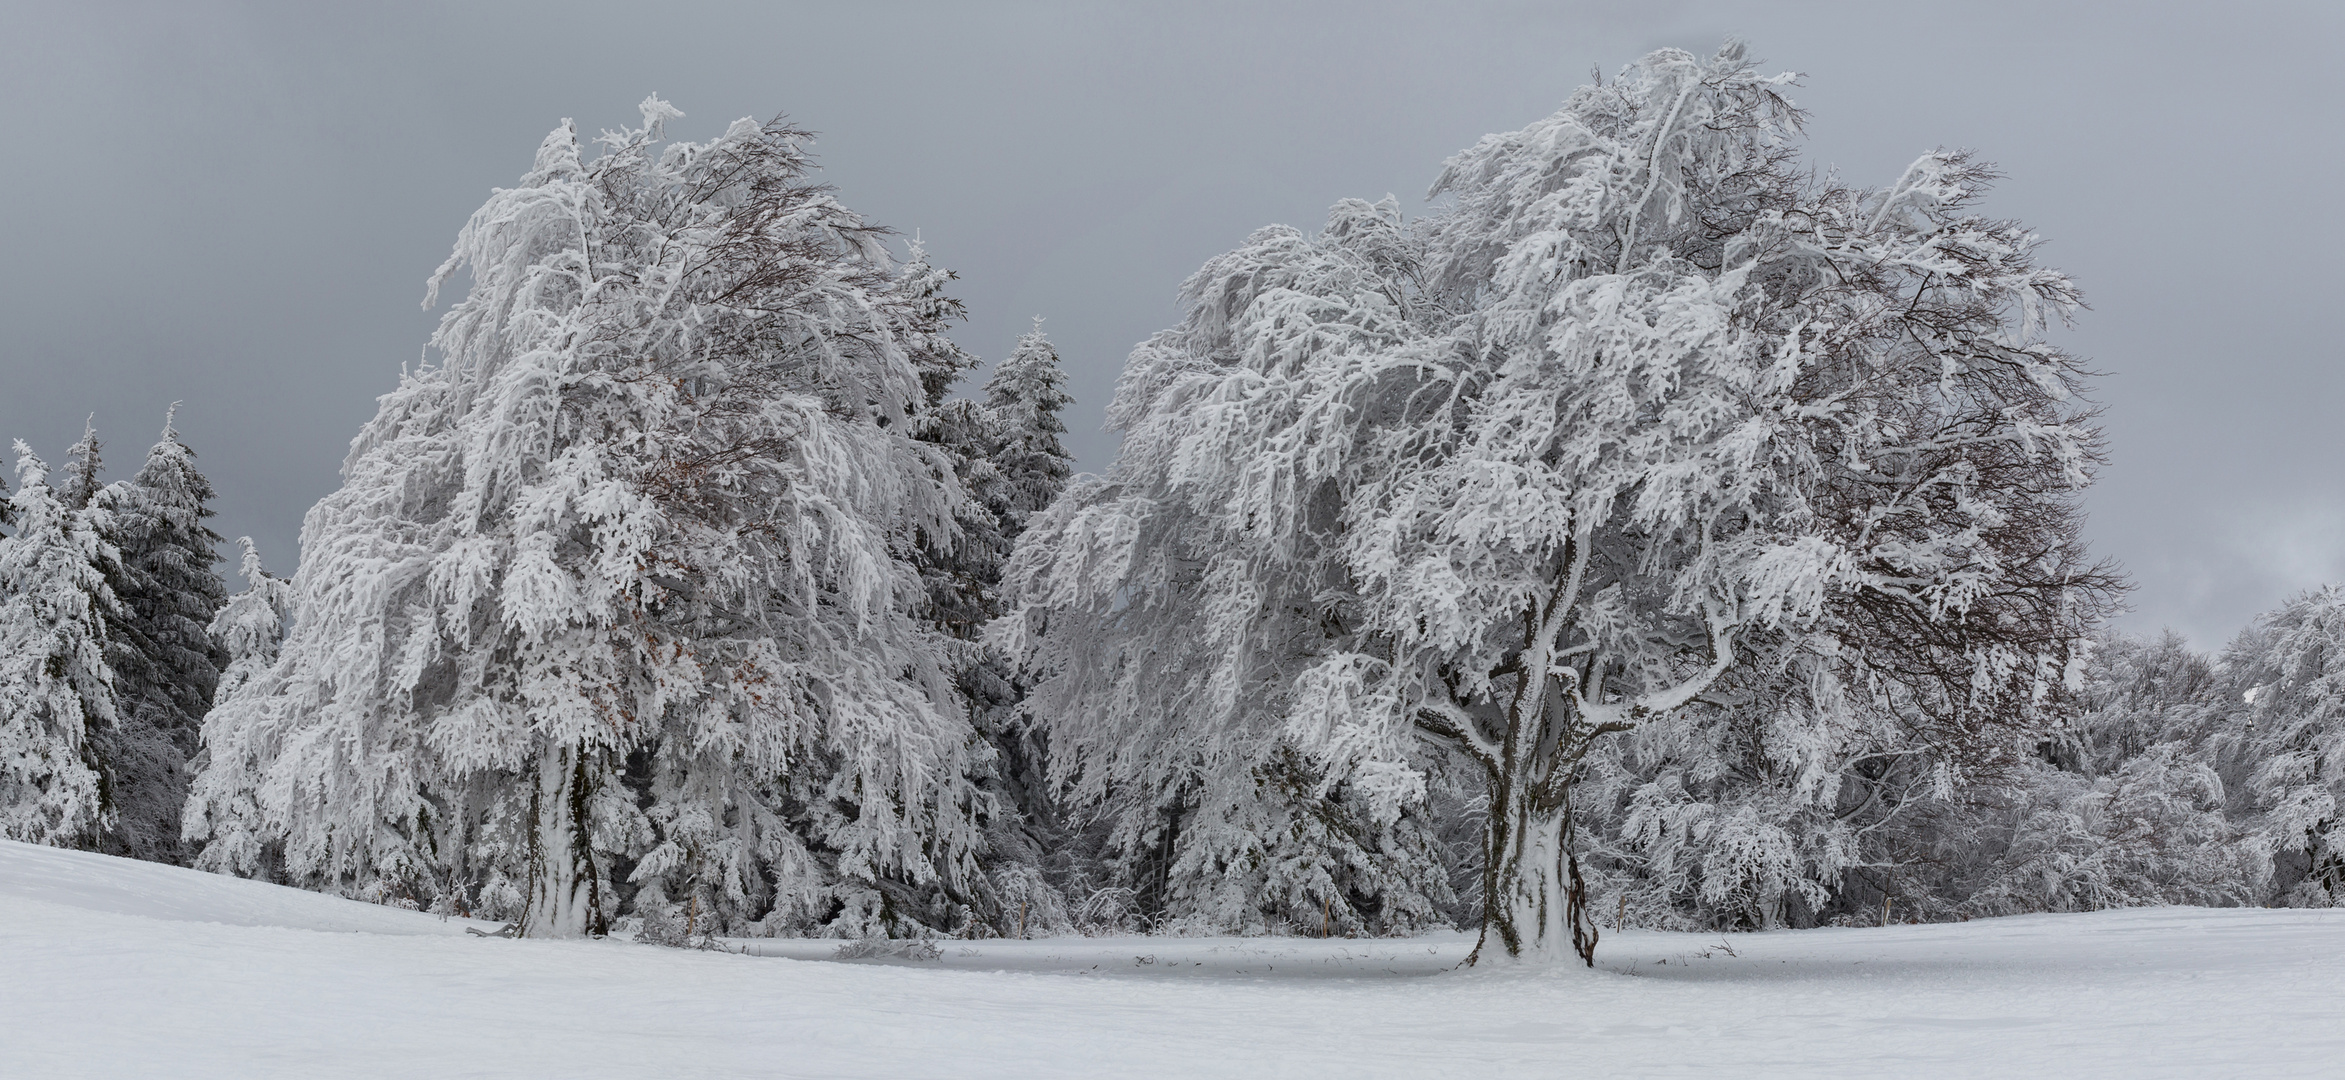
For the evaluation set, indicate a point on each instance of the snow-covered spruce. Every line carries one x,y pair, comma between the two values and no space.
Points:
1023,400
164,659
1036,856
250,627
1642,416
56,690
617,593
222,812
1006,452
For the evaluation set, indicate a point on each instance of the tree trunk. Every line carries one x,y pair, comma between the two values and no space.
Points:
1532,896
565,889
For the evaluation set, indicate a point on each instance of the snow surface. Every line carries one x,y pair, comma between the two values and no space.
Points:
116,968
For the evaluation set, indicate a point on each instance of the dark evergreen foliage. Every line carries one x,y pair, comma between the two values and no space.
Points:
166,663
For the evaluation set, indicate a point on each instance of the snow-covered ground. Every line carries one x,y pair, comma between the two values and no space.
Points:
116,968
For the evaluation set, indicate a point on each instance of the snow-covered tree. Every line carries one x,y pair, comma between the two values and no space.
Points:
250,626
84,462
1169,631
1035,854
1023,400
56,690
2153,831
1038,856
1006,454
222,815
1642,406
1746,816
2126,805
2288,674
959,577
617,592
1750,808
164,659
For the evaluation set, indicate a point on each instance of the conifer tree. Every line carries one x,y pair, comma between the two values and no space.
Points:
165,662
1023,400
1002,451
222,818
83,464
250,625
1033,861
56,689
137,762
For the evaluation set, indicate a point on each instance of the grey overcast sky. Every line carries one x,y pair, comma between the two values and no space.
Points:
236,205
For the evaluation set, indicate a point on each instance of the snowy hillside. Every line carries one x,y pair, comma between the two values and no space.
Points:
119,968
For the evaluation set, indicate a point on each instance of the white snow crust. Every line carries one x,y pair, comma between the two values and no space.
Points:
112,968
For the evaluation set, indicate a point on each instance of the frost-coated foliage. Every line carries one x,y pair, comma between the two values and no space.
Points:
56,690
2187,780
2152,832
1641,406
2184,779
1746,810
2289,675
1140,601
250,627
616,595
2139,799
223,812
2124,803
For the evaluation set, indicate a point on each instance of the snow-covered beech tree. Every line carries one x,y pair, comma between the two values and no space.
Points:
1170,632
2153,831
2140,693
2288,675
164,659
617,592
56,690
1642,406
1747,809
1768,818
2128,804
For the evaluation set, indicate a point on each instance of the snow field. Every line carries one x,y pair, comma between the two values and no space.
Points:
117,968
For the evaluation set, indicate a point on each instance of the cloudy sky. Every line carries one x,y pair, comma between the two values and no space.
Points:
235,205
